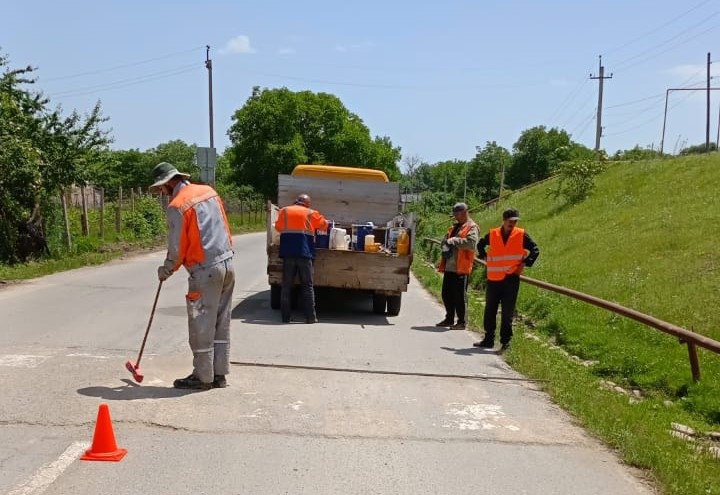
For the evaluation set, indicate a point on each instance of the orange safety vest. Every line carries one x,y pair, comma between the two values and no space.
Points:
504,258
297,225
465,257
204,238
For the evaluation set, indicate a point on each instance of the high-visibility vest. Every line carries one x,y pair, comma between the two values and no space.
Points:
504,258
204,237
465,257
297,225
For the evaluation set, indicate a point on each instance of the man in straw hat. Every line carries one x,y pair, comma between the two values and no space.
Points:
199,239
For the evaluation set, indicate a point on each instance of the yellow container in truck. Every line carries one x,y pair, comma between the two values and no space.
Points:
335,172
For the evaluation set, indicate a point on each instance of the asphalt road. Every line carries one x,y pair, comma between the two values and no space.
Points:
64,340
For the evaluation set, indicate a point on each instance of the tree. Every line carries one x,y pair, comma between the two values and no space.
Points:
698,149
41,152
538,152
486,168
277,129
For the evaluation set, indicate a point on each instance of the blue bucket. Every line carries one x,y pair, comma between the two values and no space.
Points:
358,235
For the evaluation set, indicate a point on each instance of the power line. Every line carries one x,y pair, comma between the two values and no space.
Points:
655,30
123,66
653,119
568,99
136,81
624,65
393,86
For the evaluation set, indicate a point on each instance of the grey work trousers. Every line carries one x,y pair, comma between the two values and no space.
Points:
304,269
209,302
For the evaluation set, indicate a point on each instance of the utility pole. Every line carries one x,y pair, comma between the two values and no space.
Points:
707,117
601,79
208,66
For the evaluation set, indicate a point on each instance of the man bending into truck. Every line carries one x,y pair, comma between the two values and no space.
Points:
297,225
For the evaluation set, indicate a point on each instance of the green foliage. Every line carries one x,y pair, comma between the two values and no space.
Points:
41,151
277,129
637,153
486,169
538,152
698,149
148,219
576,179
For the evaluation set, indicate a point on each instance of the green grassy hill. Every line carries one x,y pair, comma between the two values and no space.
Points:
647,238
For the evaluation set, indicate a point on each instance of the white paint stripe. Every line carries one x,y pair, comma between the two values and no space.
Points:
22,360
46,475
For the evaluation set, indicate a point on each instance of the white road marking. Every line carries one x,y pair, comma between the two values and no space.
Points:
22,360
46,475
83,354
477,417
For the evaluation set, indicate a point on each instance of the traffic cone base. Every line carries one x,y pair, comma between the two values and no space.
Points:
104,447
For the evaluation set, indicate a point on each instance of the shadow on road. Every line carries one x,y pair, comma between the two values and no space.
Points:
430,328
133,391
470,351
331,306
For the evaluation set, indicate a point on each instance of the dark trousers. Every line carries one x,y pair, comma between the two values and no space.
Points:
454,296
303,267
503,293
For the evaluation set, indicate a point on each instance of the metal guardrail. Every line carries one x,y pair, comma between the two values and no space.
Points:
691,339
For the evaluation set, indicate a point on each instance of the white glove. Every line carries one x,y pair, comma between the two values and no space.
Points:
164,273
453,241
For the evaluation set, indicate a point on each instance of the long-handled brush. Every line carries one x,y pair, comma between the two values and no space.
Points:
135,368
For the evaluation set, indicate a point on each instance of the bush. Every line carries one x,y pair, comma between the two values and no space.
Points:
576,179
148,219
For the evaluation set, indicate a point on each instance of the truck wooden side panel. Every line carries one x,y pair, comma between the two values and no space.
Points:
351,270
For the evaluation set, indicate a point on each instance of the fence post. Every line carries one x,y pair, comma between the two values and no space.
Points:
694,362
68,239
102,213
132,199
241,212
118,212
84,216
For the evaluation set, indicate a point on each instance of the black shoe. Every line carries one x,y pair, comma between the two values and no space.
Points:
444,323
286,320
191,382
219,382
485,344
311,320
505,347
458,326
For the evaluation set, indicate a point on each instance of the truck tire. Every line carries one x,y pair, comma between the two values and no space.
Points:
275,291
393,305
379,302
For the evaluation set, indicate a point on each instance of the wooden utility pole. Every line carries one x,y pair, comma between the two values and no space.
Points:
118,212
601,80
707,112
208,66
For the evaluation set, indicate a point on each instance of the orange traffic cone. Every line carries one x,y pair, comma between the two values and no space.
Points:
104,447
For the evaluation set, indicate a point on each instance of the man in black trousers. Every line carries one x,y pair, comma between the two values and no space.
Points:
509,250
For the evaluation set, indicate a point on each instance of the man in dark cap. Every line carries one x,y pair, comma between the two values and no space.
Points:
509,250
456,264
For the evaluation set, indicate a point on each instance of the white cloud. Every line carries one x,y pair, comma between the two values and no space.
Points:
286,51
355,47
239,44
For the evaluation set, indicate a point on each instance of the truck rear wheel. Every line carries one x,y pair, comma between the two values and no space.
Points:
275,291
393,305
379,302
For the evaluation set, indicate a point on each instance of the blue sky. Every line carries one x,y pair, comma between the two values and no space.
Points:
439,78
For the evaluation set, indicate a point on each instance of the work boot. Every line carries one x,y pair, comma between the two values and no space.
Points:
311,320
504,347
458,326
485,343
219,382
191,382
444,323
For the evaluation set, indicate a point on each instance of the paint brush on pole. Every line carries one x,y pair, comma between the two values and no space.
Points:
134,369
